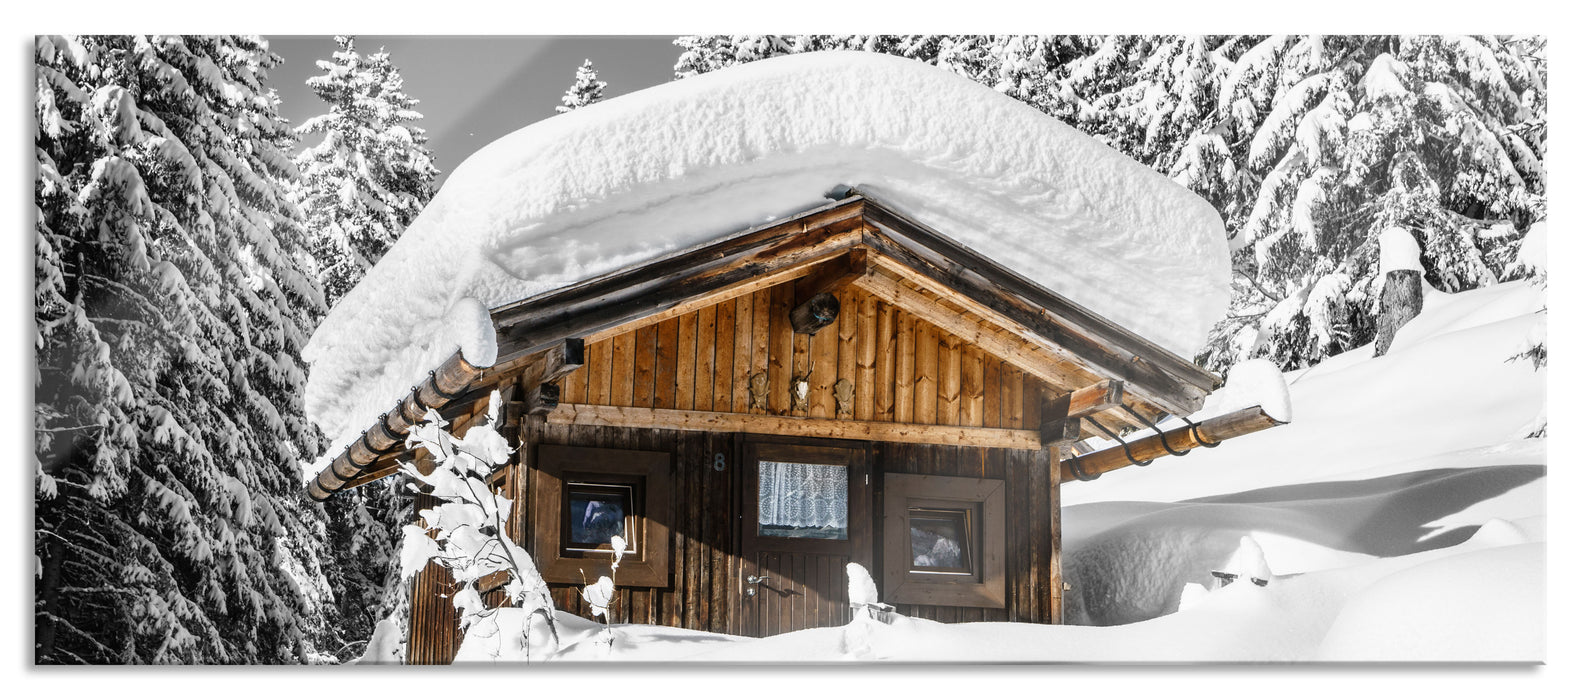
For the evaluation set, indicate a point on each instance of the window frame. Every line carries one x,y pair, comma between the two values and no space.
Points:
854,457
647,474
984,501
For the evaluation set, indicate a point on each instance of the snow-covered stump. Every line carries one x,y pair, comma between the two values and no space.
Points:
1402,298
866,611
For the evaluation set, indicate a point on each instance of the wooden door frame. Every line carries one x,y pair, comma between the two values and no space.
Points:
859,515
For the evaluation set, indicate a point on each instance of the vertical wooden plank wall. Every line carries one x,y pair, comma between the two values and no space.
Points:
900,368
701,532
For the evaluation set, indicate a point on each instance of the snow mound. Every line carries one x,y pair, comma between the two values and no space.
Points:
632,178
1248,562
385,646
1483,606
860,589
1534,253
1398,250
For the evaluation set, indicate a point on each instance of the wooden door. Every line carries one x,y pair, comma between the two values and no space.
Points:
799,530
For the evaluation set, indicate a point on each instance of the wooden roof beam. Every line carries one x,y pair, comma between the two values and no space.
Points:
1061,425
594,316
831,276
718,421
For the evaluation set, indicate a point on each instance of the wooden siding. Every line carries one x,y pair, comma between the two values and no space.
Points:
899,367
705,568
1027,555
699,531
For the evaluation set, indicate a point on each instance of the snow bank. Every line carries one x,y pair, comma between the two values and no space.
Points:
1358,415
1484,606
631,178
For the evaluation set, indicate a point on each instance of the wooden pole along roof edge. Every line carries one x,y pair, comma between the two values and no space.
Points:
1209,433
388,434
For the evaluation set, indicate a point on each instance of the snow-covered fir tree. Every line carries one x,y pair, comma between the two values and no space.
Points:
1308,146
585,90
360,186
171,303
1342,138
372,172
1017,65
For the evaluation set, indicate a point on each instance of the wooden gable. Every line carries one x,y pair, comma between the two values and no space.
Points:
731,367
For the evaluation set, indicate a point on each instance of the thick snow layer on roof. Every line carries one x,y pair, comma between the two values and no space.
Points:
632,178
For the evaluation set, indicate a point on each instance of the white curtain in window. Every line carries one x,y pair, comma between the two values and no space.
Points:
801,495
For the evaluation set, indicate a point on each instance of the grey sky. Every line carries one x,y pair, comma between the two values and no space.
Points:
473,90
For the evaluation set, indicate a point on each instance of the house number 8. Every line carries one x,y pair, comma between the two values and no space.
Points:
719,461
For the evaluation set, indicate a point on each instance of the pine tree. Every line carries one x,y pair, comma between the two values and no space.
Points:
171,305
372,173
1350,136
585,90
361,186
1017,65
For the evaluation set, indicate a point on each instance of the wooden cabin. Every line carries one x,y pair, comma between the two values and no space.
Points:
843,385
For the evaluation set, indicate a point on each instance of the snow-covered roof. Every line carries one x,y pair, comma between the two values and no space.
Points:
632,178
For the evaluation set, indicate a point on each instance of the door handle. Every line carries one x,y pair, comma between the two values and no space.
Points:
752,584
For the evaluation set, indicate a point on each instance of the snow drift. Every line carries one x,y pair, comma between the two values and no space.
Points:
677,165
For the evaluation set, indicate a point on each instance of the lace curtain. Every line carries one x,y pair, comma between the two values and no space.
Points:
801,495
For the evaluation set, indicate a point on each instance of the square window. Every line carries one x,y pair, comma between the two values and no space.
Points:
941,540
944,541
581,496
597,512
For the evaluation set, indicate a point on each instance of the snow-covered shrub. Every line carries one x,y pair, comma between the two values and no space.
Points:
466,532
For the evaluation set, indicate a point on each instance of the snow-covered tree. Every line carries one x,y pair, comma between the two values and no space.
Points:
585,90
372,172
361,185
1017,65
1330,141
171,304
